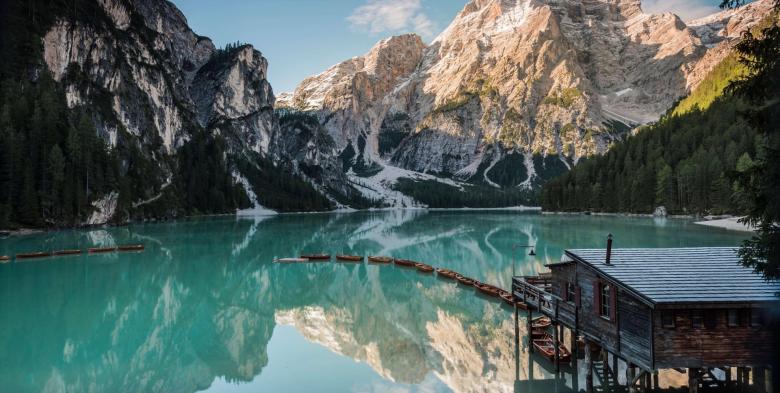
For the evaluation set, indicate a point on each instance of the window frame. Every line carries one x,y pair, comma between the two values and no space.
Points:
733,313
757,313
697,315
571,292
668,314
711,319
605,292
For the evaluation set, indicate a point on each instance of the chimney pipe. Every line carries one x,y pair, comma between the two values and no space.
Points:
609,248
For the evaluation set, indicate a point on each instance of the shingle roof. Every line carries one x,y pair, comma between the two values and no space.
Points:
678,275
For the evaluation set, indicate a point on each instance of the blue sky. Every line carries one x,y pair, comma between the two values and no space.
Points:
304,37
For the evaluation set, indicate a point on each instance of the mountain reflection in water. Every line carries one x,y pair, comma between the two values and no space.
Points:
198,308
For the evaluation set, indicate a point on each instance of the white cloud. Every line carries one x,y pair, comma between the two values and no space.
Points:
392,16
685,9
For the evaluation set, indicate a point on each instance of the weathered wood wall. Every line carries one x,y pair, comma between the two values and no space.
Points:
629,335
686,346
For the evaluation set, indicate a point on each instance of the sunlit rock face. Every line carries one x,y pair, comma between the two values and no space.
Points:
538,76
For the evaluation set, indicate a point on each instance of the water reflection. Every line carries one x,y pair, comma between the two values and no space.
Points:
199,309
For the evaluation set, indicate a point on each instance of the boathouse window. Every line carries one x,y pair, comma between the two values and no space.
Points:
570,292
697,319
734,318
756,317
667,319
711,319
606,300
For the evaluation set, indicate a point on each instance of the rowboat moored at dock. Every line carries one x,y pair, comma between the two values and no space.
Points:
446,273
131,247
349,258
98,250
317,257
67,252
31,255
290,260
405,262
464,280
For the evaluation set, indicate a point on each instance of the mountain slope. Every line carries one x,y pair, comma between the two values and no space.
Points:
554,80
185,127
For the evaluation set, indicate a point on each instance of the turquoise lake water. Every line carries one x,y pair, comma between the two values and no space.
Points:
203,308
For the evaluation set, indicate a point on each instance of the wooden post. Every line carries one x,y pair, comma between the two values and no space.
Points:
556,345
588,368
656,385
759,380
693,380
530,331
517,343
630,381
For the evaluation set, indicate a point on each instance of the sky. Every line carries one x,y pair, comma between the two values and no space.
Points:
301,38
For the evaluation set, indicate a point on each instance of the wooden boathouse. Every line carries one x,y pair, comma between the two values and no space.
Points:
696,310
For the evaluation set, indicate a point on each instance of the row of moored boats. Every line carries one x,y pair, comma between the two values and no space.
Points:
487,289
65,252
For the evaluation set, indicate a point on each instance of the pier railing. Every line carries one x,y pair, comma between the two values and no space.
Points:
533,291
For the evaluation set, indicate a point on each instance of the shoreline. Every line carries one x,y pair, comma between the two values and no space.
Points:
727,223
247,213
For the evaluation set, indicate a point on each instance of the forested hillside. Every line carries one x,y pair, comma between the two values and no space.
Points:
682,162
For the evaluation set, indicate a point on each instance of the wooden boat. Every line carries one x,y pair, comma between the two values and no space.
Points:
446,273
487,289
507,297
464,280
378,259
423,268
541,323
405,262
67,252
290,260
5,259
317,257
546,347
98,250
349,258
131,247
31,255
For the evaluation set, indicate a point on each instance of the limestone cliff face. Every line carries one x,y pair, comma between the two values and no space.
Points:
151,83
536,77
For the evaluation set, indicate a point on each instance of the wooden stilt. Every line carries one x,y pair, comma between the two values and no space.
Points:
759,380
530,330
656,385
588,368
693,380
557,345
630,378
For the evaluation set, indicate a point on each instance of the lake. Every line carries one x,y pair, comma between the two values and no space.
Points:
204,308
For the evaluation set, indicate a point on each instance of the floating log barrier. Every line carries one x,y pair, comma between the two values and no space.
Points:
131,247
31,255
379,259
290,260
67,252
101,250
317,257
349,258
423,268
446,273
405,262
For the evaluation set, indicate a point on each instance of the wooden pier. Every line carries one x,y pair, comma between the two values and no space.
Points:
694,310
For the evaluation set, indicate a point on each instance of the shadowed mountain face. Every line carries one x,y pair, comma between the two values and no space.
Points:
203,302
